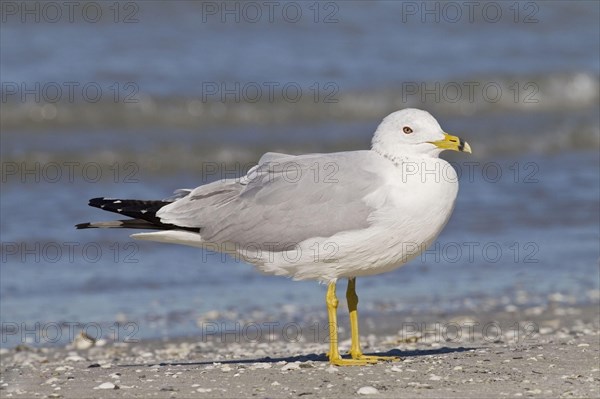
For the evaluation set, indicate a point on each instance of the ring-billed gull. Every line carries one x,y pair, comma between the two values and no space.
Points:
318,216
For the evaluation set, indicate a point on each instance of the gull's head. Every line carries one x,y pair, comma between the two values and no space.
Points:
414,131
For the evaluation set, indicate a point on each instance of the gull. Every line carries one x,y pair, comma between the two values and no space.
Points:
319,217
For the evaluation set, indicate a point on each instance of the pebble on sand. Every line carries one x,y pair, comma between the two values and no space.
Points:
291,366
332,369
367,391
256,366
107,385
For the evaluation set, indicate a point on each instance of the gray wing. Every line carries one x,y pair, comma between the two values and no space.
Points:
272,156
282,201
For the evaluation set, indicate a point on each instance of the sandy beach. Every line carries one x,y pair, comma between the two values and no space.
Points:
137,99
553,353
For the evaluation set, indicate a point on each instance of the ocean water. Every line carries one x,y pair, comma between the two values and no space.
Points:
187,94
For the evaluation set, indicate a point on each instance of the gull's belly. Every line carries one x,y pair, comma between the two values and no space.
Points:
414,213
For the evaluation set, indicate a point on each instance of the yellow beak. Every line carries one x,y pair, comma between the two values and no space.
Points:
454,143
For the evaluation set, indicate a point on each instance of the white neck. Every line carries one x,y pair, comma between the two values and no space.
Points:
399,152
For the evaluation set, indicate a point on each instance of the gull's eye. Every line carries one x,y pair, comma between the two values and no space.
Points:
407,130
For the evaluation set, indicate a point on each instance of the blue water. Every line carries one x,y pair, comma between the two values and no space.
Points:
521,237
174,47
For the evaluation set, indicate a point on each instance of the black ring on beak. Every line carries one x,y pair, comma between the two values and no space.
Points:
461,145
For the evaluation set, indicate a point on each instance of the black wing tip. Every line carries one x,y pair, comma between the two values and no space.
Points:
142,212
99,201
84,226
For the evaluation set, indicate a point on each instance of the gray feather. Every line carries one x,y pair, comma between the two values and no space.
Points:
300,196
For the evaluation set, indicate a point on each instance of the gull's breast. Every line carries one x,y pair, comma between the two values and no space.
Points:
421,198
415,209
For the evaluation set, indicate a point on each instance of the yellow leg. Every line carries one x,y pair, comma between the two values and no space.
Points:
355,350
334,353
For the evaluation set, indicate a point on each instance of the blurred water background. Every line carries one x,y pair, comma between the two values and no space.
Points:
166,96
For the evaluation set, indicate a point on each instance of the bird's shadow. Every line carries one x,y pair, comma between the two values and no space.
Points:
305,358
